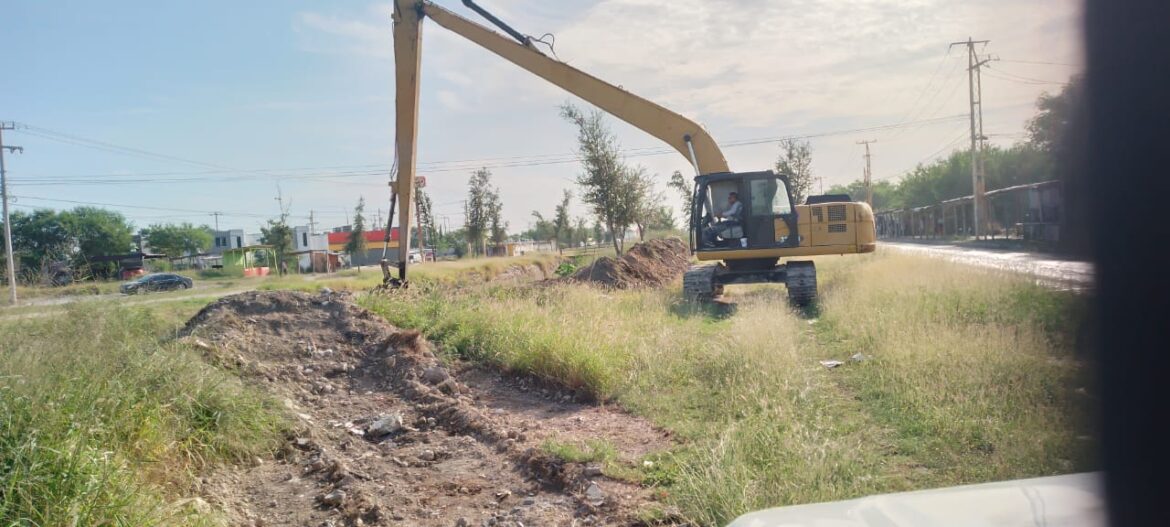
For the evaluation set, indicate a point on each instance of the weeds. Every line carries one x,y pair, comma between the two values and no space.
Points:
103,423
969,377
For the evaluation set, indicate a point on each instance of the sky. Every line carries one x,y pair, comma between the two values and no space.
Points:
170,111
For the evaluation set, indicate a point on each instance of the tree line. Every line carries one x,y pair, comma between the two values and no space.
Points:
1031,160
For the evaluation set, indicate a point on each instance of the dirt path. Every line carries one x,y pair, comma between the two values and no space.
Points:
1064,274
388,436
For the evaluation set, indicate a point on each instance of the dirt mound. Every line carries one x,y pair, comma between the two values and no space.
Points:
389,436
647,264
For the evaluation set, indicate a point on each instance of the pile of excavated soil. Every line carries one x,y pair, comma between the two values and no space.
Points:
387,435
647,264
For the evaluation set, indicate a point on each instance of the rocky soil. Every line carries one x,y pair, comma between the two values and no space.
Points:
648,264
386,434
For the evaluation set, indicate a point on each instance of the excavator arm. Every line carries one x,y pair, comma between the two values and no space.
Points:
682,134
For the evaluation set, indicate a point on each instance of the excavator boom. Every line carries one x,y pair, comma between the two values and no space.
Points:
681,133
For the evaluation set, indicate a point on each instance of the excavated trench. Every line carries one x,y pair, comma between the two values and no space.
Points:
386,434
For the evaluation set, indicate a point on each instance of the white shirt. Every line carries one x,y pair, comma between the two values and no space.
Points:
733,211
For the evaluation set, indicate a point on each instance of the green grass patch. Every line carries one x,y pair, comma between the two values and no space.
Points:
970,376
105,419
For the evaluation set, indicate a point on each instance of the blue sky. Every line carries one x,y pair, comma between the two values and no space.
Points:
222,102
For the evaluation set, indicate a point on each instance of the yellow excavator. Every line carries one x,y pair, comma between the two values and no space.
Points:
748,243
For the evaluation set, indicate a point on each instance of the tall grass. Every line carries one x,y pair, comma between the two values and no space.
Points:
969,376
103,423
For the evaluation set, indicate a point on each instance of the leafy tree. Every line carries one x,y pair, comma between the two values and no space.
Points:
278,235
885,193
611,189
39,238
662,219
542,230
177,239
645,203
1048,130
580,232
685,189
796,162
497,227
598,232
477,217
562,225
98,232
356,244
426,218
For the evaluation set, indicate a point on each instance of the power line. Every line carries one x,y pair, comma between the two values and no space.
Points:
928,157
142,207
1040,62
1004,75
911,111
438,166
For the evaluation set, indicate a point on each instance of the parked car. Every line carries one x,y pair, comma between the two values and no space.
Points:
157,282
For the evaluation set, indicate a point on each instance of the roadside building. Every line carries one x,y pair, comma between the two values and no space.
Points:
231,239
312,251
374,244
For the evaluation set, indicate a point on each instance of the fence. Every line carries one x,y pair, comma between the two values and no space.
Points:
1031,212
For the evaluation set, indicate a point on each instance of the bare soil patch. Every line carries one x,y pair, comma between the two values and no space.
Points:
389,436
648,264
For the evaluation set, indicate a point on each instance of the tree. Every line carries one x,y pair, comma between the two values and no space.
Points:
796,162
685,190
1049,128
562,225
278,235
609,187
542,230
662,219
497,227
177,239
1058,130
580,232
39,238
98,232
356,244
644,201
426,218
476,215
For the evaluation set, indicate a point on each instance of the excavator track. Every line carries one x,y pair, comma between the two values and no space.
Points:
699,283
801,281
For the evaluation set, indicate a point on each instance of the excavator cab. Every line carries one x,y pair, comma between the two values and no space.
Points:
767,218
771,226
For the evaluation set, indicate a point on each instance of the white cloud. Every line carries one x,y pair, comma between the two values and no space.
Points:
745,68
369,36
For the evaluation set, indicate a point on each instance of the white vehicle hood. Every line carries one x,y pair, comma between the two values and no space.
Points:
1075,500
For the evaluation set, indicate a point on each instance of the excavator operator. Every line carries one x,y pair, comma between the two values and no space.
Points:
730,217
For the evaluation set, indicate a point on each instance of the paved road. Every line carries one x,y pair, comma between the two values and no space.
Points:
55,305
1064,274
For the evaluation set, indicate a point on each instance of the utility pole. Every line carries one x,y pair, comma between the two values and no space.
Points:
312,224
868,172
217,214
975,95
7,221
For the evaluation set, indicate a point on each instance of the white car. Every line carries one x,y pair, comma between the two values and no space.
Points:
414,257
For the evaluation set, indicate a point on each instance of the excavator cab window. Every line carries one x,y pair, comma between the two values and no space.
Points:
768,216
